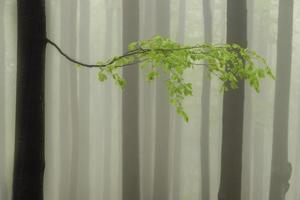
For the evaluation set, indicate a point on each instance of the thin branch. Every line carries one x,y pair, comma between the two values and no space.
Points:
68,57
127,54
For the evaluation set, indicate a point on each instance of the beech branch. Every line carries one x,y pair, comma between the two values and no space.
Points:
229,63
127,54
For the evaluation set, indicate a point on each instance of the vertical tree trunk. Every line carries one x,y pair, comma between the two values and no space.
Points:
161,168
29,161
177,120
70,40
248,133
67,116
233,105
84,102
108,99
258,186
131,178
205,99
281,168
260,125
147,106
3,185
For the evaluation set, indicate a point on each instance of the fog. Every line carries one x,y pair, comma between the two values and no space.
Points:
105,144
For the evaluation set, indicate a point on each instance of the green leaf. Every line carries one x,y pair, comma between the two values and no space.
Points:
102,76
132,46
152,75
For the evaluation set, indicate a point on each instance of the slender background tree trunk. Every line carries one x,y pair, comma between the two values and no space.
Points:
205,99
3,185
177,120
69,39
84,102
130,122
281,168
233,107
29,160
162,140
108,99
67,116
248,133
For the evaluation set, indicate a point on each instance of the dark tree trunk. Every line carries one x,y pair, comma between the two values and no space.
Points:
205,99
29,160
281,168
130,122
233,106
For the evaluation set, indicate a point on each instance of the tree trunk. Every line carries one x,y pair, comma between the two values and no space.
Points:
130,121
68,138
205,99
84,102
29,161
233,105
177,120
281,169
108,102
70,40
3,185
259,137
162,137
248,132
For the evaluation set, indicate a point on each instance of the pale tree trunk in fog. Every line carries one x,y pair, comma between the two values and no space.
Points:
147,111
248,138
258,186
108,100
281,168
205,99
177,161
68,139
3,186
297,165
84,102
259,131
130,122
233,107
161,169
72,40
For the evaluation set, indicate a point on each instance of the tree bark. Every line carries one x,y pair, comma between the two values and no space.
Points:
162,133
3,185
177,120
70,41
84,102
281,169
130,121
29,160
108,102
233,106
205,99
248,132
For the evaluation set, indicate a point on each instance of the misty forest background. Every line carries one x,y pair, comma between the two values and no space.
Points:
105,144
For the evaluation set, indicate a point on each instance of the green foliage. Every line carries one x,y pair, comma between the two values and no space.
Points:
229,63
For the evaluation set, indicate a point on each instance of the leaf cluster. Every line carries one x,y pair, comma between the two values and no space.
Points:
230,63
